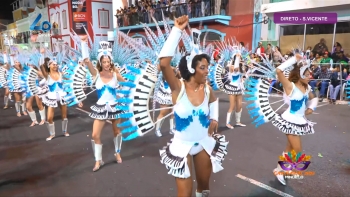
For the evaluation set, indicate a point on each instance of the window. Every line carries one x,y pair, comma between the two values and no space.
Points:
64,19
210,36
314,29
103,18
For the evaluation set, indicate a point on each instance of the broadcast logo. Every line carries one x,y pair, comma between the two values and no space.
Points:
295,165
45,25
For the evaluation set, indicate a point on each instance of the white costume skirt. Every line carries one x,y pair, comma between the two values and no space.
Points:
163,97
43,91
17,90
230,89
174,155
293,128
51,99
105,111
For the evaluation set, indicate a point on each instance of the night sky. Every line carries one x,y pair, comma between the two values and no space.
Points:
6,9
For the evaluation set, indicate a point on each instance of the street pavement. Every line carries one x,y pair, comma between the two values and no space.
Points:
30,166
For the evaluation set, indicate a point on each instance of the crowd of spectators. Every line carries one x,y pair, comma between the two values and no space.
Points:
330,67
145,10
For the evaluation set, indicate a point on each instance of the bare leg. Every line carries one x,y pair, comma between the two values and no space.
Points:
64,120
238,113
117,140
96,143
230,110
41,110
31,112
18,98
203,169
184,186
51,125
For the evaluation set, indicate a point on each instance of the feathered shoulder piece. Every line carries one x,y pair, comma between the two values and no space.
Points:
122,53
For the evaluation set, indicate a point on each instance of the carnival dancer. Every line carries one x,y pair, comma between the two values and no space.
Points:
293,121
106,78
234,88
4,67
55,96
35,75
13,81
196,116
164,98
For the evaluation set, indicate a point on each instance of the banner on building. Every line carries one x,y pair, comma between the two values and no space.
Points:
80,16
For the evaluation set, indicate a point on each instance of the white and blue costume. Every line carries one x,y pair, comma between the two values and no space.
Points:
163,95
293,120
55,95
191,137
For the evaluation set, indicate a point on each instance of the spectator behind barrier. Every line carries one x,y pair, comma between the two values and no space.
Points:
321,47
336,83
322,77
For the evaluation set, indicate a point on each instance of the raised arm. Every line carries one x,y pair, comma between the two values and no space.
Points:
43,71
168,52
91,68
287,85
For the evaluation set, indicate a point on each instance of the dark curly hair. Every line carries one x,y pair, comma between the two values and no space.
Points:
99,65
294,75
185,73
45,66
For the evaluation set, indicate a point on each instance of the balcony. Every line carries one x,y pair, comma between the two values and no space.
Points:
198,12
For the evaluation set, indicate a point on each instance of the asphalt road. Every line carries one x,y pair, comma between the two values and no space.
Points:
30,166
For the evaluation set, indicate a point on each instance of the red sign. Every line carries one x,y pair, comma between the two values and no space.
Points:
79,16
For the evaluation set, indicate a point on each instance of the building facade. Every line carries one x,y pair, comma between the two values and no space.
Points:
93,16
288,36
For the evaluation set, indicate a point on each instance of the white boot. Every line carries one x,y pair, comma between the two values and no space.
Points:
97,148
6,102
171,122
42,116
51,128
24,109
64,127
18,108
158,126
279,173
118,146
238,119
204,193
32,116
228,120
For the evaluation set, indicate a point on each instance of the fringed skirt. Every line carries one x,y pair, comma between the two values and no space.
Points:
174,155
43,91
230,89
163,97
106,112
51,99
293,128
17,90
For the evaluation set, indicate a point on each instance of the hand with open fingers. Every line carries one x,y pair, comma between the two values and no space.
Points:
213,127
80,105
181,22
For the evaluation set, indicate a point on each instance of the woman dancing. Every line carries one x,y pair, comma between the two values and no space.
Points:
13,84
107,78
54,97
293,121
196,116
234,88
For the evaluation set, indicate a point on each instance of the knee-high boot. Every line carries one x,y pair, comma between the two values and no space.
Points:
171,123
51,128
18,107
238,118
158,126
118,145
279,173
42,115
32,116
204,193
97,149
6,101
228,120
23,105
64,127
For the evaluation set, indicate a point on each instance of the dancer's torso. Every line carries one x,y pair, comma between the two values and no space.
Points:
106,92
